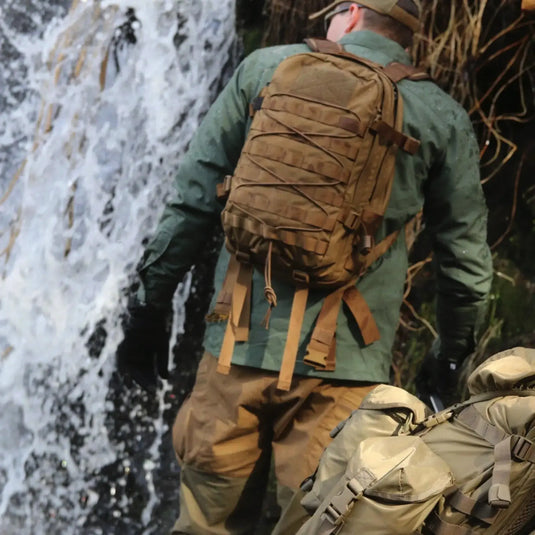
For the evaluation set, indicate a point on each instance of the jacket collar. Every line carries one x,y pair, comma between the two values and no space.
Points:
376,43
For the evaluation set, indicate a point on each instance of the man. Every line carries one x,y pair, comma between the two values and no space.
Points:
232,423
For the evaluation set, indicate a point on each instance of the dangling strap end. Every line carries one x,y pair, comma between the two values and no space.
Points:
284,385
223,368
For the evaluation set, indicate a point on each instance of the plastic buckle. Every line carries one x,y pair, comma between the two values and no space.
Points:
300,277
333,516
342,503
522,448
243,258
351,221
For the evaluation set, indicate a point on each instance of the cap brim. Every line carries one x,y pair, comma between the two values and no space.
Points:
326,10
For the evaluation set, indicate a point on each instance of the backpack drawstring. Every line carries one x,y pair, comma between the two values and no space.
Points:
269,292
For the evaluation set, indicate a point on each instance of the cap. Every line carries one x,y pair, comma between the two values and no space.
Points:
386,7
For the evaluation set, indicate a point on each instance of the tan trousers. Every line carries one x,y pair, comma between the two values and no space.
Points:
227,430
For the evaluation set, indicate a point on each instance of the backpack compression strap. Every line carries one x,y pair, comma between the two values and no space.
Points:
321,350
234,303
239,278
506,449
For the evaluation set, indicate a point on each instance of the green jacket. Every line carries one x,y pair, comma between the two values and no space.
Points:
442,178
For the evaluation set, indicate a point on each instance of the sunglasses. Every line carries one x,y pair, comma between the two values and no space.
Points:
340,8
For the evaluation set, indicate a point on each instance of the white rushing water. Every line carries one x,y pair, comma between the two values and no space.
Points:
101,141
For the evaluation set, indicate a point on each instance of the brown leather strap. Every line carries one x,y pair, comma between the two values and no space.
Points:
399,71
387,133
362,314
292,339
238,324
323,334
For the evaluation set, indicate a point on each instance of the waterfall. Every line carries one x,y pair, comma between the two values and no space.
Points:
99,102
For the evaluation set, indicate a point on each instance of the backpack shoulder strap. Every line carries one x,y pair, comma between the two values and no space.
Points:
395,70
399,71
324,46
318,44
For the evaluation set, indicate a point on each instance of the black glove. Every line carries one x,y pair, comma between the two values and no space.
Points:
437,382
144,352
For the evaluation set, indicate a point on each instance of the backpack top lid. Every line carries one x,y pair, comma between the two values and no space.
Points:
512,368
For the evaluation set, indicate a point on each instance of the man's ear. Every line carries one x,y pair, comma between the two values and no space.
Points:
355,14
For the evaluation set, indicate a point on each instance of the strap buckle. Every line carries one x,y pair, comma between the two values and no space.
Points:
300,277
342,503
522,449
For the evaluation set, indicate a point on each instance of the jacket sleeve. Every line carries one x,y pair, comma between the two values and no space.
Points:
456,216
194,210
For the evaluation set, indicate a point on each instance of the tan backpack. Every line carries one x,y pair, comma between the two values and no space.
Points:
470,469
309,192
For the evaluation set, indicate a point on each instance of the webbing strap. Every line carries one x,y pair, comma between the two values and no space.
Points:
314,111
362,314
334,515
342,144
288,210
292,339
379,250
258,228
468,506
386,132
499,492
326,46
395,71
323,335
321,349
296,158
238,323
437,526
317,190
221,309
472,419
399,71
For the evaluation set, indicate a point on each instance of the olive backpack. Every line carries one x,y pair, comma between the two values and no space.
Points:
395,468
